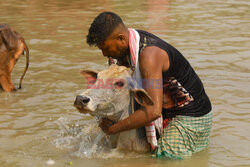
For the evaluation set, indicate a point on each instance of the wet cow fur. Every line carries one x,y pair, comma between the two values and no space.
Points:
12,46
113,103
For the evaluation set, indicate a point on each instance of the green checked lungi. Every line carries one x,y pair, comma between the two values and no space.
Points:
183,136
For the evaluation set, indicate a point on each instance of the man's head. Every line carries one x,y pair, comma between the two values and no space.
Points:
109,34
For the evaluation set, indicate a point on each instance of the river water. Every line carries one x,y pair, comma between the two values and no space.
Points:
39,125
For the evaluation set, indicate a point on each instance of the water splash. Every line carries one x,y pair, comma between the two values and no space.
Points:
84,140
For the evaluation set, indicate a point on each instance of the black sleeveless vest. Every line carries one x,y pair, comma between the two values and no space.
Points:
180,83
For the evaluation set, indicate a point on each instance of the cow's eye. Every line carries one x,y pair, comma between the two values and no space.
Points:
119,84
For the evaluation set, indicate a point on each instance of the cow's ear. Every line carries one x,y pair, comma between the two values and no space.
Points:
89,75
142,97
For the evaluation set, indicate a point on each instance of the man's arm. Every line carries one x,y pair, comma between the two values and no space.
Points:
151,66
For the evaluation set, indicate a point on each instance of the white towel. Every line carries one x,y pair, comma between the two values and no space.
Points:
134,39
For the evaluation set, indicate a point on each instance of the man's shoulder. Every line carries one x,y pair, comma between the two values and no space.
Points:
151,56
152,52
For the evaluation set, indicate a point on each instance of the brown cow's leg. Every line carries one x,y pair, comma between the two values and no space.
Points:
5,80
7,84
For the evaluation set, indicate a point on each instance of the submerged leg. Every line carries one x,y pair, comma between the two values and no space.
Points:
7,85
184,136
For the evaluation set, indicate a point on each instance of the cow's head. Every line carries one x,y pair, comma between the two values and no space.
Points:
108,92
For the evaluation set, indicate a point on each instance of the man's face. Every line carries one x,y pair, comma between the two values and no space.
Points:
114,46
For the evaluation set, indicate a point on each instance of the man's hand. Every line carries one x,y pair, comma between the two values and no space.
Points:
105,124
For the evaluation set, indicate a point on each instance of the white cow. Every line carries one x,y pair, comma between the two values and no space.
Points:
109,95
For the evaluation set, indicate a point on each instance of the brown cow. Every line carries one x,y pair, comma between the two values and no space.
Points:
12,46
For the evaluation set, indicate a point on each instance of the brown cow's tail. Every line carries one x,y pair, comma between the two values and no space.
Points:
26,49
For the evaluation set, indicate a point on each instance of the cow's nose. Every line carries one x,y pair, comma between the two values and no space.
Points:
81,100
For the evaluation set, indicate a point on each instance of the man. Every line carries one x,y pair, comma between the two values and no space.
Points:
181,98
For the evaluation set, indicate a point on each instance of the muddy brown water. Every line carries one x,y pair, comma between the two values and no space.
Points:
39,123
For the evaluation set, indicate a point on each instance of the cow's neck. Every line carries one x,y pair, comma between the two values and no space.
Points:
124,114
130,140
129,109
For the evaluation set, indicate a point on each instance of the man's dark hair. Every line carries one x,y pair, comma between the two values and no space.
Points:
102,26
